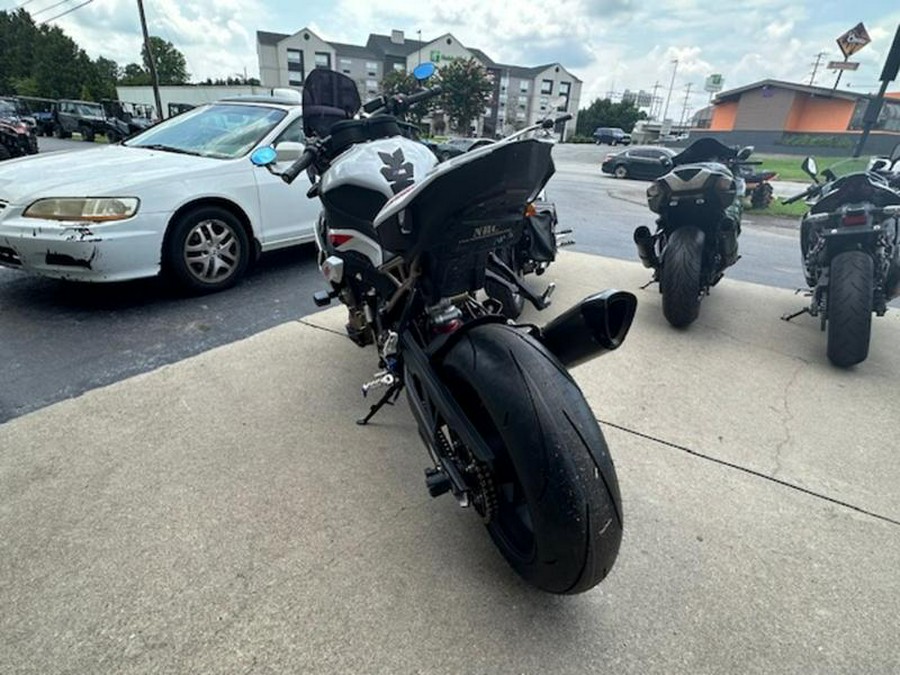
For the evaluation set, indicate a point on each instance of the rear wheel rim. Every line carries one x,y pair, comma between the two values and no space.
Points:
212,251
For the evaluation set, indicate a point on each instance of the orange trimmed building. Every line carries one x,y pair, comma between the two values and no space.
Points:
781,116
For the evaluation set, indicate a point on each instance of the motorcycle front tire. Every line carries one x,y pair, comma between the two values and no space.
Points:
850,287
558,514
680,277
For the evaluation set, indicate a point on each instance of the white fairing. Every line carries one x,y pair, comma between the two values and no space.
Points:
362,164
386,166
677,184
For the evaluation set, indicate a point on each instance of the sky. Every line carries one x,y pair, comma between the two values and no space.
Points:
611,45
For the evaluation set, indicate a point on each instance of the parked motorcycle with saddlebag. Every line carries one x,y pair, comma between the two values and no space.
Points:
699,203
406,244
850,248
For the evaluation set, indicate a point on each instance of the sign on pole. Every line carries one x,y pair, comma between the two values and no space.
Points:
714,83
843,65
853,40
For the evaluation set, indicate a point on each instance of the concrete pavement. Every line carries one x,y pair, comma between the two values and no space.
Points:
224,514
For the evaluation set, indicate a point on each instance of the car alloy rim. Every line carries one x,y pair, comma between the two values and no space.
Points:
211,251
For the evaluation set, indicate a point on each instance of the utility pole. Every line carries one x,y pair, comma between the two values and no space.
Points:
420,46
153,78
815,67
687,94
671,84
655,99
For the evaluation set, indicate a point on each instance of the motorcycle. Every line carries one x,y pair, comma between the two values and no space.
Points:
406,244
850,248
699,203
17,137
758,187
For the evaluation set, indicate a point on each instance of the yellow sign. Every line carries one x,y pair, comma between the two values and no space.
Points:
853,40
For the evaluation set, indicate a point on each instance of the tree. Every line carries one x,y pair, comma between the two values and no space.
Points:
171,67
604,113
401,82
467,89
134,74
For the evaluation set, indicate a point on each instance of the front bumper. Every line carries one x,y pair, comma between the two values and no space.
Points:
128,249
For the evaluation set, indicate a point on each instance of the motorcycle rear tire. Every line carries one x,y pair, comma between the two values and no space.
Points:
558,519
680,277
850,308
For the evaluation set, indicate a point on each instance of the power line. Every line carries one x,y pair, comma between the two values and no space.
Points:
68,11
41,11
21,5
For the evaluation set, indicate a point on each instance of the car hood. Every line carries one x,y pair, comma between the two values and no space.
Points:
114,170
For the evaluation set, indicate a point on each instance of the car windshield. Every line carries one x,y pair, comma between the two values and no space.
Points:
7,108
88,110
220,131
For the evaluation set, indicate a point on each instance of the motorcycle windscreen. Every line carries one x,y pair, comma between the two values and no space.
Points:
704,150
328,97
853,188
478,204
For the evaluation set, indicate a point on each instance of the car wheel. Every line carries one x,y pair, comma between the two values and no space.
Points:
87,134
621,171
4,153
206,250
113,137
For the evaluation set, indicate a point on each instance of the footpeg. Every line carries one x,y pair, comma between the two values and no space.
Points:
545,298
382,379
323,298
437,482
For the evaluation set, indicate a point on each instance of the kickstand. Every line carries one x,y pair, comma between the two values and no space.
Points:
393,390
788,317
648,284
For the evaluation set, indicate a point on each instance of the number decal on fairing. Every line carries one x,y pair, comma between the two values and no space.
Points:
397,171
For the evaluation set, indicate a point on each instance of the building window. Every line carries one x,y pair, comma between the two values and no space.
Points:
546,86
399,67
372,86
295,67
371,68
323,60
523,87
520,115
521,106
564,88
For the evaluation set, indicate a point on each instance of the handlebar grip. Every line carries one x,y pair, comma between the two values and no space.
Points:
796,198
298,167
412,99
565,118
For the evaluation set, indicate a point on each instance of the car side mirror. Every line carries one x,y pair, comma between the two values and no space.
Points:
289,151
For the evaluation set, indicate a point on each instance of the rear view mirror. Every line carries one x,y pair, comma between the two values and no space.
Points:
809,166
745,152
424,70
895,153
264,156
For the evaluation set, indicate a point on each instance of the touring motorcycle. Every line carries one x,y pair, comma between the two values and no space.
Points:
850,248
406,244
699,203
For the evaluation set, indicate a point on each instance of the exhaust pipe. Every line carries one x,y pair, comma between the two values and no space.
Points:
596,325
892,285
644,242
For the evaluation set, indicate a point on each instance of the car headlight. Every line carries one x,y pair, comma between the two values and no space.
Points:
93,209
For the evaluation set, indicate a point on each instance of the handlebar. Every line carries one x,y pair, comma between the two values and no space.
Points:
412,99
301,165
812,189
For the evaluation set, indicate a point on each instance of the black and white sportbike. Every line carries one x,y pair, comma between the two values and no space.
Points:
406,244
850,245
699,203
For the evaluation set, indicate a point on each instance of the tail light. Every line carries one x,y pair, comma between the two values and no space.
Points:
851,219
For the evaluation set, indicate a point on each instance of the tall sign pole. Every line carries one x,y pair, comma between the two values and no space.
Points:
850,42
151,61
873,110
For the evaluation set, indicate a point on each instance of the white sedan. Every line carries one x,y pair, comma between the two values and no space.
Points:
181,198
